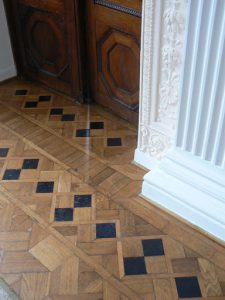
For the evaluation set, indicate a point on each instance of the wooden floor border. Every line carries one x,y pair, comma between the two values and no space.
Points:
202,244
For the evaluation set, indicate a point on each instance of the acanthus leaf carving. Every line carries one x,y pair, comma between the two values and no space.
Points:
167,19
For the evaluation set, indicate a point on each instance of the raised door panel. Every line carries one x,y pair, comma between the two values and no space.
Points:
114,37
47,36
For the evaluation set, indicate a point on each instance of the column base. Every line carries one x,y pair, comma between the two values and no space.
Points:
145,160
191,188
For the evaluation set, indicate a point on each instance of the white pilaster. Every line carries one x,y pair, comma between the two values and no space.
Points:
190,180
163,31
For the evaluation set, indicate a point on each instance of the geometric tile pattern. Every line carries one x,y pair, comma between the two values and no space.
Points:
72,223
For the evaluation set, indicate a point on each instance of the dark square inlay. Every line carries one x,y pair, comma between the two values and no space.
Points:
4,152
105,230
20,92
188,287
97,125
114,142
68,118
11,174
30,163
134,266
82,200
31,104
56,111
63,214
44,98
153,247
45,187
83,133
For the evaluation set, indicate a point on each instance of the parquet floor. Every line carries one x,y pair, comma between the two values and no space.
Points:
72,223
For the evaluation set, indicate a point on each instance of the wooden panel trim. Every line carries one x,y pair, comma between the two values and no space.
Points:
120,8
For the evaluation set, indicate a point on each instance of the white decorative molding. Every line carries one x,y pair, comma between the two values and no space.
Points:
190,179
176,186
163,30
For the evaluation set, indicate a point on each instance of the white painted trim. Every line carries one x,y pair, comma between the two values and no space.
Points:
189,194
8,73
144,160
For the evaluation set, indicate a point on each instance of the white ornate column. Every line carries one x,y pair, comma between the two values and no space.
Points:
190,180
163,31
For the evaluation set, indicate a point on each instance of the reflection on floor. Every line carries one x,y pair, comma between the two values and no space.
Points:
72,225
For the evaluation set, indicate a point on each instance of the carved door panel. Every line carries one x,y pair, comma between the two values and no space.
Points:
114,30
47,41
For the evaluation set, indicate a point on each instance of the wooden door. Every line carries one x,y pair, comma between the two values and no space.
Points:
46,42
114,30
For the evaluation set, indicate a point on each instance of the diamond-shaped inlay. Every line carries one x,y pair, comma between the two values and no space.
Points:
45,187
30,164
31,104
11,174
63,214
68,118
44,98
97,125
105,230
188,287
112,142
82,200
4,152
56,111
21,92
83,133
134,266
153,247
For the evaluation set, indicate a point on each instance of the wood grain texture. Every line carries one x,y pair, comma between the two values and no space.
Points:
65,256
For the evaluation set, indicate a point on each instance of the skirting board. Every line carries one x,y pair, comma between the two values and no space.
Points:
189,195
144,160
8,73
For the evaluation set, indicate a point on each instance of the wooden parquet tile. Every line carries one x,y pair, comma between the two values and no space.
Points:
72,224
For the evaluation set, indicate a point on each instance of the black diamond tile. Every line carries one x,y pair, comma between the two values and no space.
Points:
44,98
66,118
11,174
97,125
111,142
83,133
153,247
188,287
134,266
56,111
30,163
31,104
4,152
105,230
82,200
20,92
45,187
63,214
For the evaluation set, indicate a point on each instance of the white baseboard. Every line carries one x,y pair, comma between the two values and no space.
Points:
184,189
144,160
8,73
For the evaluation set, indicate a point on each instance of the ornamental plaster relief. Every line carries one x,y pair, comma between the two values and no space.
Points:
163,32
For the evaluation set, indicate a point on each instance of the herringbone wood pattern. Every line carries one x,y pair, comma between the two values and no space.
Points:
72,225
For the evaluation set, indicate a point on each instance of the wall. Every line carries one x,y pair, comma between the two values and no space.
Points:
7,65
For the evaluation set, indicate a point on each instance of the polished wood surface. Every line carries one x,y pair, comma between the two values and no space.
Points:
46,42
114,55
52,256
